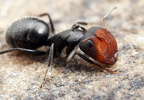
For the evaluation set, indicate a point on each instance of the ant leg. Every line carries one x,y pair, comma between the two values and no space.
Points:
82,23
50,59
76,26
72,53
69,50
90,61
51,22
34,52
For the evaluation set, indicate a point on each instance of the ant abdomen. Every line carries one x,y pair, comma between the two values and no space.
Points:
29,33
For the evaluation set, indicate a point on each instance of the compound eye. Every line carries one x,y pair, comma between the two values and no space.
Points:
89,43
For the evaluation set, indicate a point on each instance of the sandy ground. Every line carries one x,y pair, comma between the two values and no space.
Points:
21,74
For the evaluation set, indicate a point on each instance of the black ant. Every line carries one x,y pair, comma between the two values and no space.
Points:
97,42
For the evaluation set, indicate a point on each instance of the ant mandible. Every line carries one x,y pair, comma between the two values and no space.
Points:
28,34
97,42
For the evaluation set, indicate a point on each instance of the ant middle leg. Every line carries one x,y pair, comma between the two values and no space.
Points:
50,60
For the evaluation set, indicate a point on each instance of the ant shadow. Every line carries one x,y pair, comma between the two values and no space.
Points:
75,65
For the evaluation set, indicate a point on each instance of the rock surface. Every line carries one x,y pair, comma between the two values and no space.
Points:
21,74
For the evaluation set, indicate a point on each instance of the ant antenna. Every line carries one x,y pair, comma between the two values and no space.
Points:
103,19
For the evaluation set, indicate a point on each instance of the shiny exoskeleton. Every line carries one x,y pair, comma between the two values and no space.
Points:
100,44
68,38
28,34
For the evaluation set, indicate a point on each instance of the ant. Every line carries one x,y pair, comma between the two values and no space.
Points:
97,42
28,34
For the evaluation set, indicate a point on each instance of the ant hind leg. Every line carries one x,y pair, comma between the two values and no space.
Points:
34,52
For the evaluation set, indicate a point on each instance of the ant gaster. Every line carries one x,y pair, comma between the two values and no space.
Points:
28,34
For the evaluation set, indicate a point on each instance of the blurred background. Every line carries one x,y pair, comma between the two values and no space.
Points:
22,74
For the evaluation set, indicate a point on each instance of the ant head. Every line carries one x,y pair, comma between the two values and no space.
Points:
100,44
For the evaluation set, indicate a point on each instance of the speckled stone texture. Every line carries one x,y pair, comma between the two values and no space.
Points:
21,74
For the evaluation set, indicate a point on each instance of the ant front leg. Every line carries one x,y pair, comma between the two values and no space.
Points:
90,61
51,22
34,52
72,53
50,59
